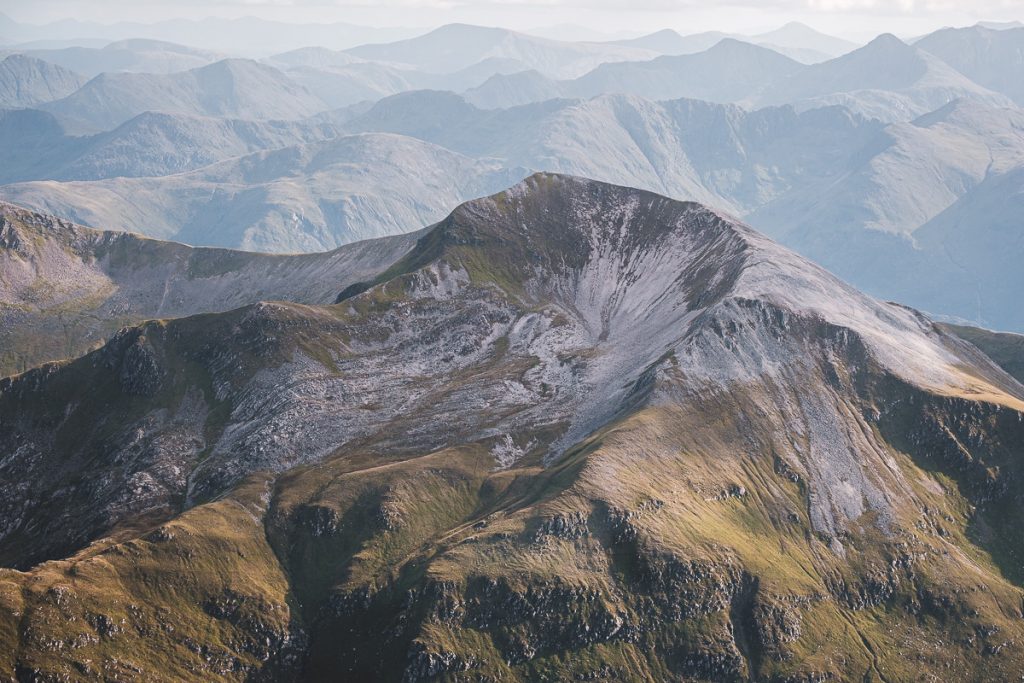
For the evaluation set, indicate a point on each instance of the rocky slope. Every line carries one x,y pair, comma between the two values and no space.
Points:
579,432
65,288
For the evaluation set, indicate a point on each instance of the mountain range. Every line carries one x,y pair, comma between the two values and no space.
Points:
885,79
136,55
850,192
236,88
307,197
993,58
795,40
576,431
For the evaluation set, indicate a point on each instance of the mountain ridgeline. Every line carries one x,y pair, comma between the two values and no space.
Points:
573,431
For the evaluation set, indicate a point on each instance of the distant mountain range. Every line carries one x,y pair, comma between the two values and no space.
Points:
306,197
228,154
886,79
235,88
136,55
795,40
455,47
993,58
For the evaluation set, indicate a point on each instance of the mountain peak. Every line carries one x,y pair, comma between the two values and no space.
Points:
886,41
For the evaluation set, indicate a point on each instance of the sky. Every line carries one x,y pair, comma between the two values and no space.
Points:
850,18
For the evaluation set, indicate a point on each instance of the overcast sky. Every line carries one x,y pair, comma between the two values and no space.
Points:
853,18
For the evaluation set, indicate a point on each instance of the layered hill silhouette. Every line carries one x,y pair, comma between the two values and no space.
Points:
577,431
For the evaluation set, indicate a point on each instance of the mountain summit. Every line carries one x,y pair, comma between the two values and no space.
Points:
577,431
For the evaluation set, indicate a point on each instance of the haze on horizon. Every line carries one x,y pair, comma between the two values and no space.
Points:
577,19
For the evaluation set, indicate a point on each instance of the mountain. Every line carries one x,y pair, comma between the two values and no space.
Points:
502,91
301,198
65,289
728,72
886,79
850,193
669,42
927,217
718,154
579,432
235,88
340,86
990,57
136,55
151,144
975,248
798,36
455,47
795,40
317,57
27,82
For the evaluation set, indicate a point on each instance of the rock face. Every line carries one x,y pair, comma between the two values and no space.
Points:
579,431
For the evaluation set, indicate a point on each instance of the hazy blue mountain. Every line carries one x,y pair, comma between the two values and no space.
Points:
898,217
670,42
974,253
994,58
795,40
27,81
150,144
455,47
301,198
798,36
511,90
847,192
135,55
731,70
234,88
886,79
719,154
